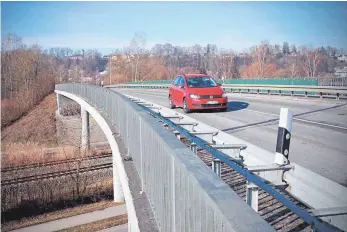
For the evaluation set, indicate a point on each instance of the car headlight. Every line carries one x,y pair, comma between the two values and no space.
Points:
194,96
224,95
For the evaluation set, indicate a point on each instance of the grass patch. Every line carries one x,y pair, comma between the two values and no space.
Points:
99,225
38,126
69,212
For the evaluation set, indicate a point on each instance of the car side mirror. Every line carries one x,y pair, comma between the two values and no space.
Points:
218,84
180,86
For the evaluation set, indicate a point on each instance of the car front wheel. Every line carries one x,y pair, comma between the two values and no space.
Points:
185,107
171,105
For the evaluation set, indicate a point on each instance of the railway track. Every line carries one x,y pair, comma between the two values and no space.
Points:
55,174
57,162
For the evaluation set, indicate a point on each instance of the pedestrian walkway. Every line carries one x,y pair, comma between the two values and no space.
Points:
77,220
121,228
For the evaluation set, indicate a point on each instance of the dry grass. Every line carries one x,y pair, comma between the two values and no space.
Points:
25,222
99,225
14,154
38,126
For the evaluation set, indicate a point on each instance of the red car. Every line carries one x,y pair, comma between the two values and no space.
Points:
197,92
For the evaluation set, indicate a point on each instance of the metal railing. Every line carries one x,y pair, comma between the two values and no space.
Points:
335,81
321,81
292,90
184,193
303,184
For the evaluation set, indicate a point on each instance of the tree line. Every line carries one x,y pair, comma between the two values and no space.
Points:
164,61
29,72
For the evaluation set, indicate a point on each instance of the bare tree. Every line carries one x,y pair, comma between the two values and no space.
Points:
137,47
311,61
261,56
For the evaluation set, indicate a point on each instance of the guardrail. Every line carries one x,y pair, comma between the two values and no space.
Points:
308,81
292,90
318,193
184,193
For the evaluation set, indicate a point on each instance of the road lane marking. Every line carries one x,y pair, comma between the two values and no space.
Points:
260,112
303,120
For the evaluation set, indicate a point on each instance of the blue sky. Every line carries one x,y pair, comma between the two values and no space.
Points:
235,25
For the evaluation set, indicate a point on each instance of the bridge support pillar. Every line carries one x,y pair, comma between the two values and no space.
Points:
59,104
85,137
118,195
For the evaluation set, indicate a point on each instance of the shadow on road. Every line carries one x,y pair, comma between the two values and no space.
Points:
236,105
232,106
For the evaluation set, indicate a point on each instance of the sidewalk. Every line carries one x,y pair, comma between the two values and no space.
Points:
121,228
76,220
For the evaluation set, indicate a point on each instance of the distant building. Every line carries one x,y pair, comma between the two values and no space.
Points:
87,79
76,57
341,72
104,73
342,58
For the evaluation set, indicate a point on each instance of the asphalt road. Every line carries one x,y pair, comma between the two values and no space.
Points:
319,132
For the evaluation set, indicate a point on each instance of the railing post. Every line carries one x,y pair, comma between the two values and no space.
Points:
141,155
193,147
177,134
217,166
252,195
283,137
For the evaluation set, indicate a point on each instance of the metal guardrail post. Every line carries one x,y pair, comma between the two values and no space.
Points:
217,166
252,195
193,147
283,137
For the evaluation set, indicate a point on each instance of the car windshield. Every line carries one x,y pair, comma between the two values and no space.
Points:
201,82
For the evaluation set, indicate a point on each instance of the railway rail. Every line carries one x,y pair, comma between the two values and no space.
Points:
51,163
57,174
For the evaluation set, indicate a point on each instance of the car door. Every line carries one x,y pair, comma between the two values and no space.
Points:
173,90
180,91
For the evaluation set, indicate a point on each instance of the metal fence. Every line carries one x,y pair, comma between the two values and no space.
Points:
184,193
335,81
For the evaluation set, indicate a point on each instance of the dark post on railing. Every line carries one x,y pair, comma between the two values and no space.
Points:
283,137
